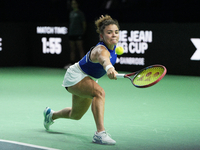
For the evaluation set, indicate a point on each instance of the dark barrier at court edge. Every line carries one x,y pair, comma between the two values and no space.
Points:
177,46
14,44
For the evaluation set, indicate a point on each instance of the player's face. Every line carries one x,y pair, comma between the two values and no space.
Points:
110,36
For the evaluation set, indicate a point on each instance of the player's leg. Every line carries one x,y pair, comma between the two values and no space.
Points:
88,88
83,92
79,108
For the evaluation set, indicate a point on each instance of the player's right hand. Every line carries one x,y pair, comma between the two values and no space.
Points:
111,73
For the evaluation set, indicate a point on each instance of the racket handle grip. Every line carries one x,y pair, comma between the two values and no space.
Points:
120,75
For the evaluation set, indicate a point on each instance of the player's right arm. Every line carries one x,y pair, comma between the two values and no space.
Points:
101,55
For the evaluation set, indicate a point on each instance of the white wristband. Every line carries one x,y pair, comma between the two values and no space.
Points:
108,67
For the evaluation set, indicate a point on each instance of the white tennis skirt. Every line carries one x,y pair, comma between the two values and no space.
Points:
73,75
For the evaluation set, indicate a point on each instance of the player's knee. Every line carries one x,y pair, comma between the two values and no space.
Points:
100,93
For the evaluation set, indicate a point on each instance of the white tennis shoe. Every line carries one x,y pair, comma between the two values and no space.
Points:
103,138
48,117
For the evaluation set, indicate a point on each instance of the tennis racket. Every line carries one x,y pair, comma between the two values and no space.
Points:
146,77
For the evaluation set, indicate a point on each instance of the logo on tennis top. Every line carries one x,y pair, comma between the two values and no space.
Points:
196,55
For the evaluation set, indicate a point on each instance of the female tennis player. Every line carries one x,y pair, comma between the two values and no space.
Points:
79,81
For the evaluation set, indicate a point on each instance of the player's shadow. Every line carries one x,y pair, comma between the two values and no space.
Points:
56,132
85,138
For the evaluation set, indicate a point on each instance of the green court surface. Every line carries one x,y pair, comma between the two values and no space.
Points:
165,116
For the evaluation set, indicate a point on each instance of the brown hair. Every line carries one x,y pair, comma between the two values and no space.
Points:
102,22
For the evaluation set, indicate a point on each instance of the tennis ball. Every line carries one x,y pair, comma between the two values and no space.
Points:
119,50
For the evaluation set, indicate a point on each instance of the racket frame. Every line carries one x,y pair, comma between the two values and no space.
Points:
134,74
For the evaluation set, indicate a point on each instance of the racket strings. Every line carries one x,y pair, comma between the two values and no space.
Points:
148,76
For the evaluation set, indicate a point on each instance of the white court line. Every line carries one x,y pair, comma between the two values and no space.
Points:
28,145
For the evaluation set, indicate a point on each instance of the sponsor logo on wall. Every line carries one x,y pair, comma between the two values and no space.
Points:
51,45
196,55
136,43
